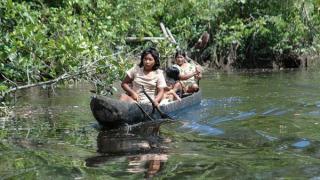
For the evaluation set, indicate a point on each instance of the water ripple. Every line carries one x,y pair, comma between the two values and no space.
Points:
314,113
206,103
301,143
275,112
202,129
240,116
267,136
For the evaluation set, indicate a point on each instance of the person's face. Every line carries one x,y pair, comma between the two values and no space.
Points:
148,61
180,60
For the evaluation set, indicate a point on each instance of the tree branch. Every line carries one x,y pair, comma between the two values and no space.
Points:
133,39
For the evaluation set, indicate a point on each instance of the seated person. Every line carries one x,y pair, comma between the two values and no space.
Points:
172,77
148,74
189,73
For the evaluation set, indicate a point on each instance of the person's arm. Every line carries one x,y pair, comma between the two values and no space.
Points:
187,76
159,96
179,86
126,87
161,84
199,74
175,95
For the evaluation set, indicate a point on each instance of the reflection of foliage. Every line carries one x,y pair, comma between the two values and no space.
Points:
34,152
38,147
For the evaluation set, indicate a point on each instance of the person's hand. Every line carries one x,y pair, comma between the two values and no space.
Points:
135,97
177,97
198,70
195,73
198,73
198,76
156,103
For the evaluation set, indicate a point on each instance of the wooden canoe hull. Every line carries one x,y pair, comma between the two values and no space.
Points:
174,106
113,113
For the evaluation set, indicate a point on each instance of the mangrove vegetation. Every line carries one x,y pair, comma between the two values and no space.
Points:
44,42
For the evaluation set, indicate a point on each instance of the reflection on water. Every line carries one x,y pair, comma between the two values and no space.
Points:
251,126
192,123
141,145
201,129
301,144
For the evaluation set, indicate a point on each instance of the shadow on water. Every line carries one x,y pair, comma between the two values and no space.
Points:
140,145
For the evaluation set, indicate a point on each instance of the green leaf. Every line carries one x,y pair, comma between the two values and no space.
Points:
3,87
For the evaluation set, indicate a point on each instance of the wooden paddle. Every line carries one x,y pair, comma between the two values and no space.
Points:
144,112
162,114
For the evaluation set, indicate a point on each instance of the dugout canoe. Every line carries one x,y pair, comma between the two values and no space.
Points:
112,113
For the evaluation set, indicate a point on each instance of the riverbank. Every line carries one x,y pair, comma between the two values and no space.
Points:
280,63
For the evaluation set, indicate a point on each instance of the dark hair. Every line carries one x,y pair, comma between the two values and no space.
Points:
180,52
154,53
173,72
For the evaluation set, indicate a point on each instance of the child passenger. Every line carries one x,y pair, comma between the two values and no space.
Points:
148,74
172,78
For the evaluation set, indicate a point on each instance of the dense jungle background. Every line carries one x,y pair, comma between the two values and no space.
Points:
44,42
258,118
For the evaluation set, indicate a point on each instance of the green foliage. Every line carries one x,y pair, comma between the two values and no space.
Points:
267,28
41,40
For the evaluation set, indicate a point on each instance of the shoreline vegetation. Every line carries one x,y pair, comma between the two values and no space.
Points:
46,42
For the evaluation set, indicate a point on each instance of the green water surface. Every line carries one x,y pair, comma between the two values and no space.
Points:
248,126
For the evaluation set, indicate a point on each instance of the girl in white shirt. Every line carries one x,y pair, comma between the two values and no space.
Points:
148,74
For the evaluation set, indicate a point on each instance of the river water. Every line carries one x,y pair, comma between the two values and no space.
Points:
248,126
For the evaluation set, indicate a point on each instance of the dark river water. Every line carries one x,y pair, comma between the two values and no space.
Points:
248,126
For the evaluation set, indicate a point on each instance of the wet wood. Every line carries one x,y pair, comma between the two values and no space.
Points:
202,41
163,28
112,113
173,40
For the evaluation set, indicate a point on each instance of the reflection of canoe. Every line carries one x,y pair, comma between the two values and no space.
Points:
143,138
112,113
142,148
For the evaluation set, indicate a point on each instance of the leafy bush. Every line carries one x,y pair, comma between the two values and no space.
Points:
42,40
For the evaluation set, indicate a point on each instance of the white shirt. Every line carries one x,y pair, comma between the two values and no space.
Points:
151,82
